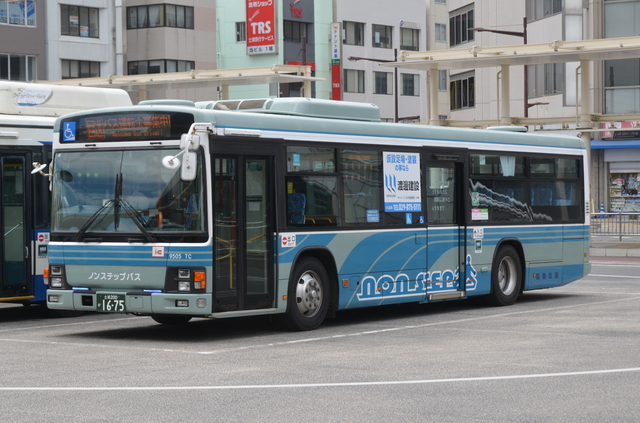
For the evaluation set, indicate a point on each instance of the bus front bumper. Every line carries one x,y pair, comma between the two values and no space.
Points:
136,303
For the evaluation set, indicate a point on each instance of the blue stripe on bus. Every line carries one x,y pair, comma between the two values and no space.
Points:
130,255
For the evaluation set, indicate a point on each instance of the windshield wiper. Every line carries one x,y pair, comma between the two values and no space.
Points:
92,219
136,217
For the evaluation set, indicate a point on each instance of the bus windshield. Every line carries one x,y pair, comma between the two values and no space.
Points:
115,191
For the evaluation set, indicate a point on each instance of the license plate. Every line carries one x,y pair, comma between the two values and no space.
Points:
110,303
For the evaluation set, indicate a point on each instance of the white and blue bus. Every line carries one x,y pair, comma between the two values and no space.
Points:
27,116
300,208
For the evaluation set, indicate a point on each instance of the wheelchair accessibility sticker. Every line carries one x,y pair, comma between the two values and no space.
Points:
69,131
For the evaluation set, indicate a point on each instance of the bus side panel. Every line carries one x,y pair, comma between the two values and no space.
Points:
576,252
373,267
553,255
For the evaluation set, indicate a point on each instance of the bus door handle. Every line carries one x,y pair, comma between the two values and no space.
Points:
26,252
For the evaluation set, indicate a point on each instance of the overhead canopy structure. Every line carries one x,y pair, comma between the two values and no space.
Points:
524,54
583,51
224,78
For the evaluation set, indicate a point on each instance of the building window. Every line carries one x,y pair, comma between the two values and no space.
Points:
18,67
353,33
622,19
241,32
159,15
383,83
622,80
409,39
547,79
441,1
382,36
353,81
142,67
442,80
18,12
79,21
294,31
462,91
79,69
459,23
622,86
538,9
441,32
410,84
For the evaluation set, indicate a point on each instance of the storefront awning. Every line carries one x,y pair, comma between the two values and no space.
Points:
601,144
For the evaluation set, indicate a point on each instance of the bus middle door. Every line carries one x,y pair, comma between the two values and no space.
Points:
243,210
444,186
14,270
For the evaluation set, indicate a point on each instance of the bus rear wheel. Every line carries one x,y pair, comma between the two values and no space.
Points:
308,296
171,319
506,277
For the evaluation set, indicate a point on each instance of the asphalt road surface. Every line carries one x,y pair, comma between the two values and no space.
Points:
569,354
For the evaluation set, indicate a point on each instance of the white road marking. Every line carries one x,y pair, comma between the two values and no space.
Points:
319,385
615,276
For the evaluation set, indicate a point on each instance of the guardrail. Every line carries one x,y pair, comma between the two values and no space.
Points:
619,224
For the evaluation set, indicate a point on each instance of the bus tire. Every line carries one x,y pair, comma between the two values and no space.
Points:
171,319
308,296
506,277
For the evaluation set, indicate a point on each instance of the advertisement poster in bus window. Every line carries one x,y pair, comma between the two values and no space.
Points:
402,182
261,27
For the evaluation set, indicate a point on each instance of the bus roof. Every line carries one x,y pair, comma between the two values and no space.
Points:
22,98
305,119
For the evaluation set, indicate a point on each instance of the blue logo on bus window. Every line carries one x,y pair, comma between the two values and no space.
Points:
69,131
409,218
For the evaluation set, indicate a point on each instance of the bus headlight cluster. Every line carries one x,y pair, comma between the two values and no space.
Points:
187,280
54,275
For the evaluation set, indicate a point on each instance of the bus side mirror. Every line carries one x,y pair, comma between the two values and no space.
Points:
38,167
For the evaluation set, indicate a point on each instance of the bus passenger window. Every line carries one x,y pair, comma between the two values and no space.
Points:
312,201
361,184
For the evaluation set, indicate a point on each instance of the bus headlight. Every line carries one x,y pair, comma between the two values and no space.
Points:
56,282
184,286
54,276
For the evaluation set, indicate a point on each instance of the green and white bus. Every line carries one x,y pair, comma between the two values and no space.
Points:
300,208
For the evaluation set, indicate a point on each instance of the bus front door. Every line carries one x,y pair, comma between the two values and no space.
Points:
14,247
243,192
444,176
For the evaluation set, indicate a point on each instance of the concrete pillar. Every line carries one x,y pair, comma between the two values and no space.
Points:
584,121
224,92
505,96
432,81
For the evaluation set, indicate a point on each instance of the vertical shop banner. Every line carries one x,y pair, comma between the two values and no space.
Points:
336,71
261,27
402,191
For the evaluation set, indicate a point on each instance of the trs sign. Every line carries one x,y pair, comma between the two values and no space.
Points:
261,27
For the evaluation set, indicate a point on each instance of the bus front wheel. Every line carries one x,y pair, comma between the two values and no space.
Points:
506,277
171,319
308,296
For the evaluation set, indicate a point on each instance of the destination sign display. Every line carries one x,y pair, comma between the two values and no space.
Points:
132,126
